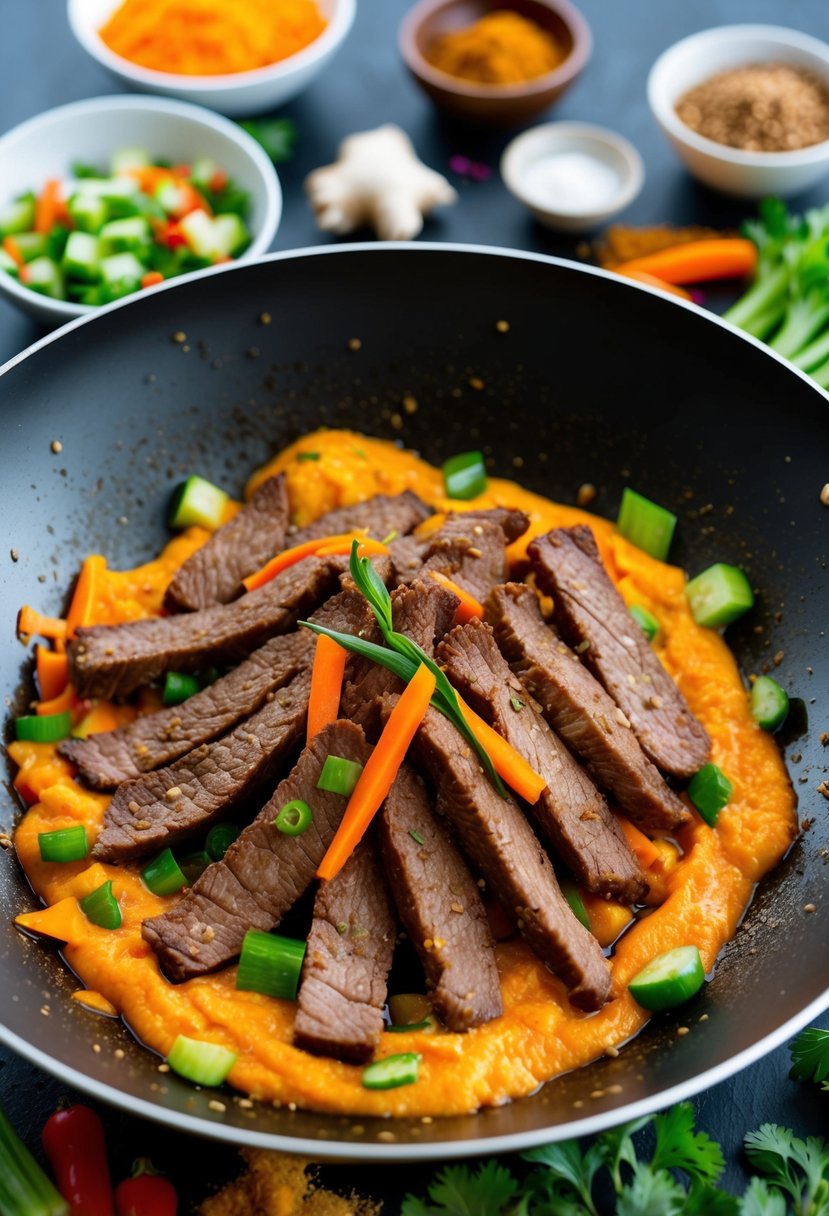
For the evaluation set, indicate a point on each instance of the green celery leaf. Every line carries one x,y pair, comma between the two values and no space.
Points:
810,1055
679,1147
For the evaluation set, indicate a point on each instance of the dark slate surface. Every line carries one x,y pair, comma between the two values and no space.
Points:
41,66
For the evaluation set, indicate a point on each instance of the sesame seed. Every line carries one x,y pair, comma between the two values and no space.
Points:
387,1137
809,908
96,1047
215,1104
178,337
264,318
502,327
56,446
354,344
173,793
824,495
683,1030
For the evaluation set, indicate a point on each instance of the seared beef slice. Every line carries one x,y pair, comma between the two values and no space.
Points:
263,873
159,809
214,573
471,549
570,813
580,711
590,614
440,906
382,514
349,953
113,660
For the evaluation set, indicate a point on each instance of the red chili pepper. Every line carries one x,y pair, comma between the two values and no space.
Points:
146,1193
73,1140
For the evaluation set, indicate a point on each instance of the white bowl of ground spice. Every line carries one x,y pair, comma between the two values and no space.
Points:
746,107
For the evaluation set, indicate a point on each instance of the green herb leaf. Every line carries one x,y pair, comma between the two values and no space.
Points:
800,1168
516,704
276,135
416,836
458,1191
680,1147
705,1200
651,1193
760,1201
810,1055
568,1166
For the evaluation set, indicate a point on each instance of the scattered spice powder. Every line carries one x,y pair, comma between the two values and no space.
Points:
210,37
501,48
275,1185
623,244
761,107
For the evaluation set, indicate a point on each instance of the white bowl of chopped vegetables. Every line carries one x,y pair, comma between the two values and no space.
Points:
107,197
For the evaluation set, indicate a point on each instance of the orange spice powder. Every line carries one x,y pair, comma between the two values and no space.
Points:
502,47
211,37
276,1185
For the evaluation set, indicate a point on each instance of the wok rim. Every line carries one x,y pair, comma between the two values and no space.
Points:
350,1151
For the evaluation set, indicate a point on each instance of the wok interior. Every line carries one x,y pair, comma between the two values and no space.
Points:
594,381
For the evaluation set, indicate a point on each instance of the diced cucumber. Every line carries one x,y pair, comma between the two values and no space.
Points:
646,524
668,980
646,621
31,245
769,703
231,234
88,211
203,171
121,274
719,595
46,276
199,233
18,216
171,197
109,188
197,501
56,239
82,257
7,263
128,158
131,235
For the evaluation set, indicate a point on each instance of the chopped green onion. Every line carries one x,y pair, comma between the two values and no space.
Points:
464,475
710,790
201,1063
270,964
769,703
416,836
65,844
307,455
646,524
219,840
406,1008
339,776
194,865
517,704
646,621
668,980
295,818
197,501
43,728
571,893
24,1188
178,687
392,1072
101,907
163,875
719,595
428,1024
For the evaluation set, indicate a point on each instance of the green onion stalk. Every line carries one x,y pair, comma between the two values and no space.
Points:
24,1188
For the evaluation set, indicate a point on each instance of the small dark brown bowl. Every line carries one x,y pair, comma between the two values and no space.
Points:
504,105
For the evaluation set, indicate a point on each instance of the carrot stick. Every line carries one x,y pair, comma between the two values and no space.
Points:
368,548
100,718
52,672
83,601
507,762
469,608
47,207
58,705
151,278
289,557
380,771
644,276
31,623
698,261
643,849
326,685
13,250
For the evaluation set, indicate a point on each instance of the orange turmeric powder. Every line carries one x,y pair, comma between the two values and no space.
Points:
211,37
501,48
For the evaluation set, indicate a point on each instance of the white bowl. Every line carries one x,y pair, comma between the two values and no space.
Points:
731,170
90,131
240,93
606,147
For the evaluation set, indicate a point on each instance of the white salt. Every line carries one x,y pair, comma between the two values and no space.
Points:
570,182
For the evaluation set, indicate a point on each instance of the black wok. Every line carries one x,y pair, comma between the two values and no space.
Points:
596,380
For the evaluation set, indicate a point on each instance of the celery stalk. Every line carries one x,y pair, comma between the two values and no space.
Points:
24,1188
767,291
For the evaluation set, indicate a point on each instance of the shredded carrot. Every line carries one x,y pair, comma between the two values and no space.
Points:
652,280
100,718
368,548
31,623
289,557
469,608
380,771
59,704
48,206
507,762
326,684
13,250
52,672
698,261
151,278
150,177
643,849
86,591
64,921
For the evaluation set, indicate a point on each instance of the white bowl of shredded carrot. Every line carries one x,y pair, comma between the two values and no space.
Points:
241,58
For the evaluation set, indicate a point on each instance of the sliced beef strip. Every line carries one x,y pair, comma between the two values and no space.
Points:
440,906
382,514
344,976
580,711
570,813
407,555
262,874
160,808
113,660
447,550
589,612
214,573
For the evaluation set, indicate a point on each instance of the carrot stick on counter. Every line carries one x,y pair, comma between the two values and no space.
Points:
326,685
698,261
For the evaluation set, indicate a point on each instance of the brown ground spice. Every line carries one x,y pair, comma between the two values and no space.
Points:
622,244
276,1185
763,107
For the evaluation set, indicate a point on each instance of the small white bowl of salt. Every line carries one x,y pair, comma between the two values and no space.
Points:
571,175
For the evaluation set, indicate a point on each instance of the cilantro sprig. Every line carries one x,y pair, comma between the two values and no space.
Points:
810,1056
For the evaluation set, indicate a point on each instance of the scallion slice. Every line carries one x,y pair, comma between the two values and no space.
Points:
178,687
407,1008
769,703
571,893
24,1188
101,907
339,776
710,790
646,621
163,875
719,595
64,844
219,840
295,818
270,964
428,1025
43,728
668,980
646,524
197,501
392,1072
194,865
201,1063
464,475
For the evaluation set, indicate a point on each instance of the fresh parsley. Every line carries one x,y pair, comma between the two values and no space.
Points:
810,1056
